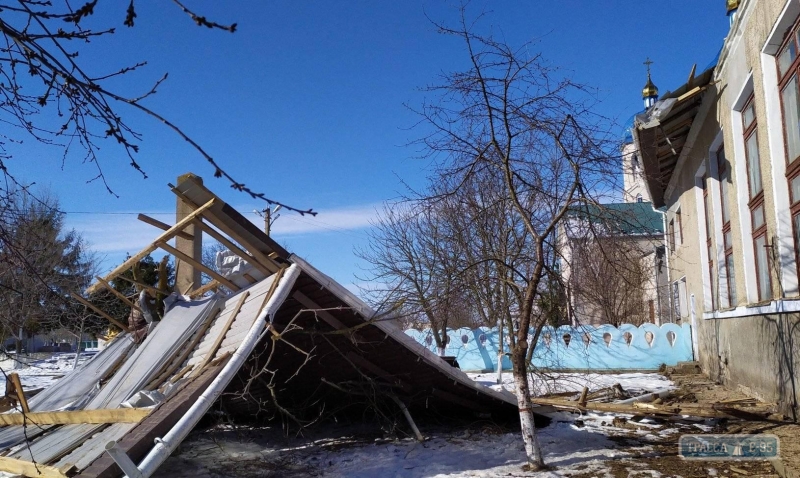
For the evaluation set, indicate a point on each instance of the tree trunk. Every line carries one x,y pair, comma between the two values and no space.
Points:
532,450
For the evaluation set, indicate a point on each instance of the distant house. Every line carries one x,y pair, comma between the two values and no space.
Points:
612,261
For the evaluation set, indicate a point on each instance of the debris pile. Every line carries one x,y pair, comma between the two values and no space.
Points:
276,337
667,403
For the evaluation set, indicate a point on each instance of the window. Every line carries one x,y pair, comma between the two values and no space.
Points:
728,266
756,200
788,74
672,235
638,198
679,226
709,222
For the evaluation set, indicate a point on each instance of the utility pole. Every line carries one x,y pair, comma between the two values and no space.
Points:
269,216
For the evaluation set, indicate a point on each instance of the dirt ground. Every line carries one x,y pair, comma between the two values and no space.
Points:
646,449
661,455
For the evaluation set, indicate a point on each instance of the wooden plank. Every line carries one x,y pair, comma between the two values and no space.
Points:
163,226
323,314
362,362
225,328
637,408
118,294
30,469
203,289
150,288
103,415
234,215
180,255
167,235
266,268
100,312
139,441
19,392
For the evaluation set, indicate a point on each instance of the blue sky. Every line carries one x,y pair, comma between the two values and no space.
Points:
307,102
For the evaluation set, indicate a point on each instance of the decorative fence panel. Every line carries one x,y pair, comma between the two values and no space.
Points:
602,347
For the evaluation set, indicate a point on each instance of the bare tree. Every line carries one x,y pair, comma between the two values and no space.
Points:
609,279
512,121
413,268
50,94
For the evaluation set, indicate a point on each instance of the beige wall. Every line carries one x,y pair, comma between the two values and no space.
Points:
741,343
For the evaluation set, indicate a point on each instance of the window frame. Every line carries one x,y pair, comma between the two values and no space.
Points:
791,39
756,199
727,234
709,222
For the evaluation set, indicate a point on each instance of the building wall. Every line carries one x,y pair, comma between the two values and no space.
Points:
633,183
743,343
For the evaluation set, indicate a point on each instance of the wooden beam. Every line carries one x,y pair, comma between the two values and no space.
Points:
167,235
100,312
140,284
306,302
218,341
214,275
250,246
31,469
370,367
267,268
637,408
20,394
117,293
163,226
103,415
203,289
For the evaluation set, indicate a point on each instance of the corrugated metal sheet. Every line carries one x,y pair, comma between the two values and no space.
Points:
90,449
75,386
241,324
142,366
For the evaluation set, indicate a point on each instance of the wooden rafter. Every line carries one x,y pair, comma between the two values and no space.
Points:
166,236
266,268
218,341
163,226
198,265
205,288
100,312
117,293
251,246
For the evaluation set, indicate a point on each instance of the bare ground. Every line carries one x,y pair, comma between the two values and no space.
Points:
662,455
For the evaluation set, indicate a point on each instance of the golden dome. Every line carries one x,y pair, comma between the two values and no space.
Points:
732,5
649,89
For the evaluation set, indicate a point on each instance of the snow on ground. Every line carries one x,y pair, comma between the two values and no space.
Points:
555,382
464,454
574,444
39,371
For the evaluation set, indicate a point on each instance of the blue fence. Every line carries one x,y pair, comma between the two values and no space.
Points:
602,347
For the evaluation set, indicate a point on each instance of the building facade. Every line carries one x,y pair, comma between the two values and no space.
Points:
721,154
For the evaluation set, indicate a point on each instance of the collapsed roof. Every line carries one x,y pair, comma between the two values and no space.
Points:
662,133
286,339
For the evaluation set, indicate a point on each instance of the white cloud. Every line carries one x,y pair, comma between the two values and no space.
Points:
120,232
116,233
344,219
